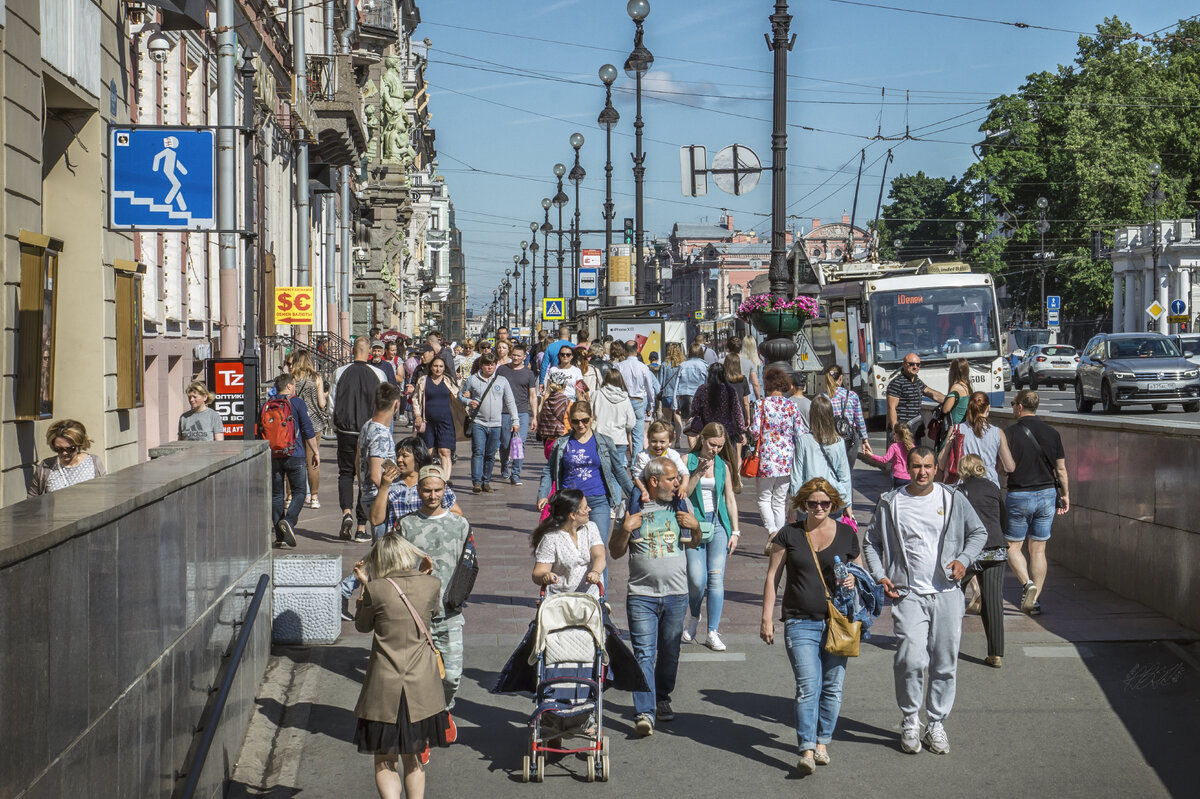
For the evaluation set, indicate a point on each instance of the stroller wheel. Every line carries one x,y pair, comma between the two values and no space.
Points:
593,765
541,769
604,748
525,769
603,768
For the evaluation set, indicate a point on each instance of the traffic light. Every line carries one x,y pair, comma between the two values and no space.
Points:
629,230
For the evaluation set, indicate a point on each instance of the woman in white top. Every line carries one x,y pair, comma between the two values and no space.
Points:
565,373
567,546
613,412
980,437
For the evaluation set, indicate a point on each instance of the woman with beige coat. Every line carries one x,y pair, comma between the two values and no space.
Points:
402,709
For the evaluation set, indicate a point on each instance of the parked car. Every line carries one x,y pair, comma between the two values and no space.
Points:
1119,369
1047,363
1189,345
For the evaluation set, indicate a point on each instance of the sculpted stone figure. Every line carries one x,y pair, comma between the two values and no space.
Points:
397,148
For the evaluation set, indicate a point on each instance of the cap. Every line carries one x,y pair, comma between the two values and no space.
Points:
376,343
431,471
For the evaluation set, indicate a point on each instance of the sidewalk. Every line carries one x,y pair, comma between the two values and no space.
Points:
1095,697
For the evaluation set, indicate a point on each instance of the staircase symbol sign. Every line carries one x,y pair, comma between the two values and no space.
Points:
162,178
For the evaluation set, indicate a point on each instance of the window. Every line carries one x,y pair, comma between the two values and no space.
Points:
128,280
36,319
435,219
934,323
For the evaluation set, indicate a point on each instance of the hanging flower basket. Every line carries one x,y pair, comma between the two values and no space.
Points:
777,316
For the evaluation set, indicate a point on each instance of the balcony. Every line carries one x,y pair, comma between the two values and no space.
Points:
377,23
333,94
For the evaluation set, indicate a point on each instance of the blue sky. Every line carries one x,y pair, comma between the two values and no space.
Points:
509,83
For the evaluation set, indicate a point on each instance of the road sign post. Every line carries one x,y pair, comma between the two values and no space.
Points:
162,178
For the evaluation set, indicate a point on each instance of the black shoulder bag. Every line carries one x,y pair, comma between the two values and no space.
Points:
1058,489
463,580
849,432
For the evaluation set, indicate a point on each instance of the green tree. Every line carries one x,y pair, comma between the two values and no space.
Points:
921,216
1083,137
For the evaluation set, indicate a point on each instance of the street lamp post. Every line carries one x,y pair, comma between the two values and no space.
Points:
1160,287
495,309
576,175
504,290
516,279
523,264
608,120
546,228
779,348
533,250
560,199
637,65
1042,226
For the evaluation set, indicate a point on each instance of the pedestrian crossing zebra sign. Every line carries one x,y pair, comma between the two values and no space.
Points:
162,178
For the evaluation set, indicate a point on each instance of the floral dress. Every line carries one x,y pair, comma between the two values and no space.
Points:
779,424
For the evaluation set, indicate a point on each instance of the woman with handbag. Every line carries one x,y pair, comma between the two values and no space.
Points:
401,709
808,548
433,413
712,485
847,412
776,428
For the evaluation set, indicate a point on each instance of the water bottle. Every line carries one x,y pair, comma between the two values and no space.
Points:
840,573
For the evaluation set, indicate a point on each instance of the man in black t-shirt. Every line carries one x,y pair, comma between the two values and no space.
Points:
904,395
523,382
1037,492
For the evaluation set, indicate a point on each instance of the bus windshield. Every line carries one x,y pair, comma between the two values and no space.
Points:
935,323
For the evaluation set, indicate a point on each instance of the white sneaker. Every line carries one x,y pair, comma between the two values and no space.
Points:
689,630
910,737
714,642
936,739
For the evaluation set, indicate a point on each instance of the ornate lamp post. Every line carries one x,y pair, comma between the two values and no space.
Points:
1042,226
1155,197
505,294
516,279
533,249
576,175
495,309
546,228
637,65
780,347
607,120
560,199
523,267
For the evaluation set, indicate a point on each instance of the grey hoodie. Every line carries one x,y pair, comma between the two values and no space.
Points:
498,401
963,538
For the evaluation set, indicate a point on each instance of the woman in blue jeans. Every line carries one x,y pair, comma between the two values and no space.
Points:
711,487
586,461
814,540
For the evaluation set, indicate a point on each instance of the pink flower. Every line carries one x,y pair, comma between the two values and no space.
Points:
802,305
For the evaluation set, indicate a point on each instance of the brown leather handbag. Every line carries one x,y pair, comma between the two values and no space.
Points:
842,635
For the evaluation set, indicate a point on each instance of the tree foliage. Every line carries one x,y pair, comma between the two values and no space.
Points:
921,215
1083,137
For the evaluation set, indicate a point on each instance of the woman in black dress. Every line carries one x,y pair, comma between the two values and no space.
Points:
432,410
819,675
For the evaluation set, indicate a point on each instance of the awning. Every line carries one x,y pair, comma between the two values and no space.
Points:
182,14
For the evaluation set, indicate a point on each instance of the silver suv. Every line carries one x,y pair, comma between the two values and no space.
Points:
1119,369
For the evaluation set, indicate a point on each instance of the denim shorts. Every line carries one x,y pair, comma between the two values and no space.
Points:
1030,513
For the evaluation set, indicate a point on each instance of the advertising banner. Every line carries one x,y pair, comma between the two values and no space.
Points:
294,305
226,379
620,285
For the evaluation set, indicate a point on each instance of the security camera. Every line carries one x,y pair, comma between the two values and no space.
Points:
158,46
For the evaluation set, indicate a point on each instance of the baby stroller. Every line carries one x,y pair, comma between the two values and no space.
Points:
569,698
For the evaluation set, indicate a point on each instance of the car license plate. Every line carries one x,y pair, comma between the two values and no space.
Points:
1160,386
1061,363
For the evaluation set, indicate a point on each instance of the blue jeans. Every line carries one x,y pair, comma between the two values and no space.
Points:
706,574
819,678
514,470
600,514
1030,513
655,624
294,471
484,443
639,431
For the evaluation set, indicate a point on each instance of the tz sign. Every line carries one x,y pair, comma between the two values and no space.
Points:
226,379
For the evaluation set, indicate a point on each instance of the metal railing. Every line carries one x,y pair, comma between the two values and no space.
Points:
328,351
322,78
194,765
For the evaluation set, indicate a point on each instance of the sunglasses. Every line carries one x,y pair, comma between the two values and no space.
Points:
821,504
66,450
912,363
581,420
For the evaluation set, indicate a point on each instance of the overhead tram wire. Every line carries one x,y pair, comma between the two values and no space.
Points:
962,17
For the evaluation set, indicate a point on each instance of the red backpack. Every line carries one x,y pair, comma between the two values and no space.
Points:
277,427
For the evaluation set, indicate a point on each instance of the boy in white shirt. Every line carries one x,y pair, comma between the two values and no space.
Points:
658,445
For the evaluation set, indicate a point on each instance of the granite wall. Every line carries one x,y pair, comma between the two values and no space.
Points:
1134,523
118,599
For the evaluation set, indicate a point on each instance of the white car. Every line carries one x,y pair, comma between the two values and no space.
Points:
1189,345
1047,363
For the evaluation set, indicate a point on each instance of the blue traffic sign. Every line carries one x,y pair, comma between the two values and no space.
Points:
554,309
162,178
1053,302
1178,307
589,278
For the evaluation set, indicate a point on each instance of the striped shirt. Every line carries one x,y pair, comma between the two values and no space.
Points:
910,393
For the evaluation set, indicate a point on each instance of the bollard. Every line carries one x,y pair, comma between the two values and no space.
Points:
307,601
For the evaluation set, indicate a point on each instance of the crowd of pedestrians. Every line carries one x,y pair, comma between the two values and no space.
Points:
645,460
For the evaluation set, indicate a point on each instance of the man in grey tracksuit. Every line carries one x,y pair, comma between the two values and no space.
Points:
487,405
919,543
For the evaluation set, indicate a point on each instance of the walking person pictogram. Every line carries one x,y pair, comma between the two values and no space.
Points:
169,159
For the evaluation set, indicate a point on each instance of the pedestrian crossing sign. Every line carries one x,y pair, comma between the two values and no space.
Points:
554,309
162,178
698,314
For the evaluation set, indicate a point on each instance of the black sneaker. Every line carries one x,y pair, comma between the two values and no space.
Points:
346,531
1036,610
663,711
516,481
362,536
286,533
487,488
347,615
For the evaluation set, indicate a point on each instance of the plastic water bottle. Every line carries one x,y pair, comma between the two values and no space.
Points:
840,573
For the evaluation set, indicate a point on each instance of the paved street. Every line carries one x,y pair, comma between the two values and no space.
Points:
1055,401
1098,697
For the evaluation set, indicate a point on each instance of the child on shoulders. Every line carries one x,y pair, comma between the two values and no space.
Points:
658,444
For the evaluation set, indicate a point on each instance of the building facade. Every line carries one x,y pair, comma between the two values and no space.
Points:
1133,273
